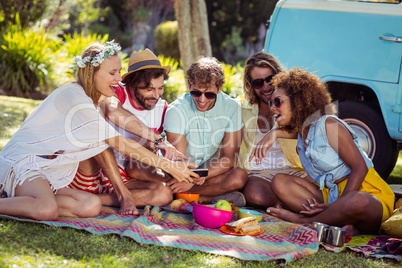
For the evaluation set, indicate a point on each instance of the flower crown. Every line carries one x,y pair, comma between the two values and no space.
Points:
110,49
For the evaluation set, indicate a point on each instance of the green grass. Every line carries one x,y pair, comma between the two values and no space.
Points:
25,244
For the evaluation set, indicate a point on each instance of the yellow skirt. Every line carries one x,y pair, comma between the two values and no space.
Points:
374,185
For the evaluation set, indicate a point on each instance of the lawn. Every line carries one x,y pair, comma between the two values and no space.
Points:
36,245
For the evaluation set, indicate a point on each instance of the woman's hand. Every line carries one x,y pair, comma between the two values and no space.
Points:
170,152
180,171
313,207
262,147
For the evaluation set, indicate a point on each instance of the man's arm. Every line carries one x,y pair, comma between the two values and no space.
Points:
115,112
228,155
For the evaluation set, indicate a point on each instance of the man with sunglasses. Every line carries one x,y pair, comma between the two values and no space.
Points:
205,124
261,154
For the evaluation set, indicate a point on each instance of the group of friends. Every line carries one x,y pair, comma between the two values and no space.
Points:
279,147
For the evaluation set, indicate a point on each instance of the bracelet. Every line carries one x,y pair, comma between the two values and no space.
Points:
157,142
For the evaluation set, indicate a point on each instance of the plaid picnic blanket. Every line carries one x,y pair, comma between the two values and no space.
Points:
280,241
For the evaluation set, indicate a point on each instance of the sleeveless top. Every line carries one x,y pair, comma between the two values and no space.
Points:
320,161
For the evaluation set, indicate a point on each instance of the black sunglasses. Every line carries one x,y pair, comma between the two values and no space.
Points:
208,95
259,82
277,102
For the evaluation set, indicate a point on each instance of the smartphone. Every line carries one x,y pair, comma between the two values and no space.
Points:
202,172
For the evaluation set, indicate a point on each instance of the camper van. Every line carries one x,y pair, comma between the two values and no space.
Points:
356,48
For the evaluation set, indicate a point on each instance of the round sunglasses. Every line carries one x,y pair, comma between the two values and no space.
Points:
277,102
259,82
208,95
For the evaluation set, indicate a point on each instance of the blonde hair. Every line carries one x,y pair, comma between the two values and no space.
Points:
85,76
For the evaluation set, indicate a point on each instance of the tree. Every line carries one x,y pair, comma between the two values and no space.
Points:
193,30
237,27
29,11
139,18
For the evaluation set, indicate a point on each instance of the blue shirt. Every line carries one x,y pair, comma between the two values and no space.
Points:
320,161
204,131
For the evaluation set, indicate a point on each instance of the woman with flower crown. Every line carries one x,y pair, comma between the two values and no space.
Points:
41,159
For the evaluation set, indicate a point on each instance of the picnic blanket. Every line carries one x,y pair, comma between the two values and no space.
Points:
280,241
376,246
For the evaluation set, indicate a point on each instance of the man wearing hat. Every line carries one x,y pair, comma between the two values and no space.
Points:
137,113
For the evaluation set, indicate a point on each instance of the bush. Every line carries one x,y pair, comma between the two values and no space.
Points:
175,85
73,46
233,85
166,39
29,11
27,59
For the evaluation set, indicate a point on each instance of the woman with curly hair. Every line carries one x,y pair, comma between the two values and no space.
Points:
342,188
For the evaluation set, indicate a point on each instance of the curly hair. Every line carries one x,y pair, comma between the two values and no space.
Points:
204,71
262,60
85,76
309,97
133,80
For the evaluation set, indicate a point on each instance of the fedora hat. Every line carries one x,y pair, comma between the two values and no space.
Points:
145,59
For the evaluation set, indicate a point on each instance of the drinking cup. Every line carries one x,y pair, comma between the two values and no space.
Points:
336,236
321,229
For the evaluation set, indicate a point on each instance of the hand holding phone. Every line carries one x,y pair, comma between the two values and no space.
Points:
202,172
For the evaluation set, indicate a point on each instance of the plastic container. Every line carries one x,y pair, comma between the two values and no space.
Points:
188,196
211,217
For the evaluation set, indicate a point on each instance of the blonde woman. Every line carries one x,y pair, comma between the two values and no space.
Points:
42,158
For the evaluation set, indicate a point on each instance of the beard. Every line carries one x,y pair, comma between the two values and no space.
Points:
142,101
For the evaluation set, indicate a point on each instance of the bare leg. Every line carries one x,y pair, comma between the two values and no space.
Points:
139,171
359,209
144,193
76,203
88,167
292,191
229,181
33,199
107,162
258,193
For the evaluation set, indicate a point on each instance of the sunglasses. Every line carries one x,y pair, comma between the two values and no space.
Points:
259,82
277,102
208,95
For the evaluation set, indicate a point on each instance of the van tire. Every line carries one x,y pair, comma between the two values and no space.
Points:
368,123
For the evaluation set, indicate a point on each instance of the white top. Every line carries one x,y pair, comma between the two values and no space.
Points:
151,118
274,157
67,125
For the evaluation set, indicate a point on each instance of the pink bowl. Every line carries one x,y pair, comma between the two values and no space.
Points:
211,217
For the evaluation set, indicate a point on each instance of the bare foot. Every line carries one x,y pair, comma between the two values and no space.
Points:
177,187
127,207
286,215
351,230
